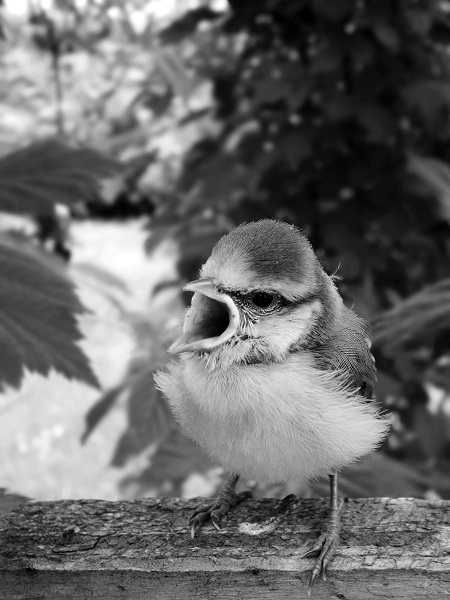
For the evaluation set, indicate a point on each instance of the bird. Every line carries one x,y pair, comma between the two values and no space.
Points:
274,376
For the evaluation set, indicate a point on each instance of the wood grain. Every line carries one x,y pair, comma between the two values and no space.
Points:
142,550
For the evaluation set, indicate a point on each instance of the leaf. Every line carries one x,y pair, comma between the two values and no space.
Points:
177,458
436,176
10,501
149,417
418,320
38,327
35,178
102,276
378,475
173,462
100,409
187,24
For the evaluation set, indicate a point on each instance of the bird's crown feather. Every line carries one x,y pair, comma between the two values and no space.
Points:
264,253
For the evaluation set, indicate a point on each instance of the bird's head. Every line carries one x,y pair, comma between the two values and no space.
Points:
261,294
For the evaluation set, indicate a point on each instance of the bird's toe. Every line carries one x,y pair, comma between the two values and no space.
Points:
215,511
325,546
197,519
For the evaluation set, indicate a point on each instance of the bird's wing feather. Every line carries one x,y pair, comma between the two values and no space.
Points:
348,350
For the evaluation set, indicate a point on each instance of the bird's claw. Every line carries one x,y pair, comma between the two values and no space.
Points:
215,521
326,546
215,511
199,517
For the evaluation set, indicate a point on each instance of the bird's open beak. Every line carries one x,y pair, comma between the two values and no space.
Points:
212,319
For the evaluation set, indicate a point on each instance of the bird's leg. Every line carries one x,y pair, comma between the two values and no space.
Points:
329,540
225,500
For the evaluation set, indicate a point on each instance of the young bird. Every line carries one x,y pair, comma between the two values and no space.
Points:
275,378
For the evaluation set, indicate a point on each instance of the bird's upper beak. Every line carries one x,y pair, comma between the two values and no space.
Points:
212,319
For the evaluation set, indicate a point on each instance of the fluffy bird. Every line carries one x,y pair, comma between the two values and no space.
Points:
275,376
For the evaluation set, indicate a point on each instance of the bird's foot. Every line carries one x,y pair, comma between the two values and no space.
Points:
216,510
326,545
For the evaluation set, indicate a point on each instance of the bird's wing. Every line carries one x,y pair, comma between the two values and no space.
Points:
349,351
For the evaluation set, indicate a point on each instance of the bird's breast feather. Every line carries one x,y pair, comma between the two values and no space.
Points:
273,422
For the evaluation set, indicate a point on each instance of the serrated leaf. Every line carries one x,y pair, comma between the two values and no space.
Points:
35,178
38,327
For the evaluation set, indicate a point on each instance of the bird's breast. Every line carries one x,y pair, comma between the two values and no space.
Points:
272,422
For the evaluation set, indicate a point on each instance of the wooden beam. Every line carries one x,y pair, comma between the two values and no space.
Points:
142,550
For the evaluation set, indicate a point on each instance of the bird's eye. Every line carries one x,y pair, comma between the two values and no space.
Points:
262,299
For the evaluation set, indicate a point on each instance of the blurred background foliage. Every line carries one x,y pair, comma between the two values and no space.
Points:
333,115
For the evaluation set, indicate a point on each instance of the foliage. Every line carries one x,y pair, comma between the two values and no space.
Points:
38,303
335,116
35,178
332,115
38,309
420,320
333,103
152,431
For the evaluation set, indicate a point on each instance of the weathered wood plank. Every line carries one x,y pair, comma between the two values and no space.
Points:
142,550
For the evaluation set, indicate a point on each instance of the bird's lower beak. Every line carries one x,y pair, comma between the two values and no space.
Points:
212,319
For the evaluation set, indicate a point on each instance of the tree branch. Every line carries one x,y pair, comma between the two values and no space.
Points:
136,550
